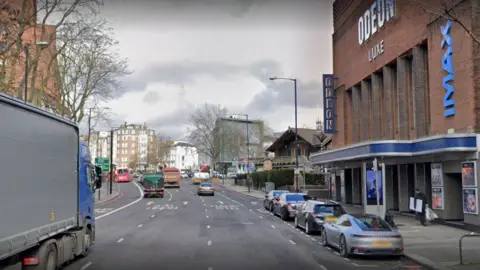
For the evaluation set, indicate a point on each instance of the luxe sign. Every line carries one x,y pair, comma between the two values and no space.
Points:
379,13
447,65
329,104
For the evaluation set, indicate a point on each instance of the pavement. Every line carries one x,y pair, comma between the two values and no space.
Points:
103,195
228,231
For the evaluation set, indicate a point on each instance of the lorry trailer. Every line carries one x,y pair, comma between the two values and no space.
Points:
47,188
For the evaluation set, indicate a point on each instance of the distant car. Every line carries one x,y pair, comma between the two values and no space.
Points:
185,176
362,234
270,198
313,214
206,189
287,203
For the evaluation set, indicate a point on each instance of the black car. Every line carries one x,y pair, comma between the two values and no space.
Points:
286,204
270,198
313,214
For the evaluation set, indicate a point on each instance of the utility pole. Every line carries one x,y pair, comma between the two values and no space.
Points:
111,161
89,126
248,157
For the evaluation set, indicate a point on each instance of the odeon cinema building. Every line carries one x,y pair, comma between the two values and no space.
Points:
403,105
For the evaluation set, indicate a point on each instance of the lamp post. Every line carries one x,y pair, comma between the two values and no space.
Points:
296,125
248,149
42,45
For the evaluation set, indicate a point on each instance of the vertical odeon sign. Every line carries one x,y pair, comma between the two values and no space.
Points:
447,66
329,104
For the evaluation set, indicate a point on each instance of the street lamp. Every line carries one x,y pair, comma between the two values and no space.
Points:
296,125
41,45
248,149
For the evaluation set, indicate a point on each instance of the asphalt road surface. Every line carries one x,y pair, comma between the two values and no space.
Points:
227,231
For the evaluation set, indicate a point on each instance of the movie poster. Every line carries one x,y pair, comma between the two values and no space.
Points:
437,198
470,198
469,174
437,174
371,185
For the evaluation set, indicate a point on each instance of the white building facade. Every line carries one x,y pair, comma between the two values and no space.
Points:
183,156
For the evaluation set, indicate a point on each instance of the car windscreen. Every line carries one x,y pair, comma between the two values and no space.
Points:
371,224
335,210
123,171
295,198
206,185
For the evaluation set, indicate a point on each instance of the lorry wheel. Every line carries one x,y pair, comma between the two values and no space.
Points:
87,242
47,255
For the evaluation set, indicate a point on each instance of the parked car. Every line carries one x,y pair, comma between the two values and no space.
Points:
362,234
271,197
185,175
313,214
287,203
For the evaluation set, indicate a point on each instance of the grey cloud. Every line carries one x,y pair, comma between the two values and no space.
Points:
282,93
151,97
177,73
174,123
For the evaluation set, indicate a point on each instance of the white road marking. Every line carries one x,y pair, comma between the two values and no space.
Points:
336,253
120,240
254,203
322,267
209,242
204,205
363,265
177,190
292,242
346,259
329,248
220,202
207,216
141,225
247,223
125,206
261,216
85,266
205,210
313,239
103,210
152,216
210,268
150,202
273,226
185,203
148,208
251,210
208,226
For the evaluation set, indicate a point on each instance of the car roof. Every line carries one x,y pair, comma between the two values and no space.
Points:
279,190
323,202
295,193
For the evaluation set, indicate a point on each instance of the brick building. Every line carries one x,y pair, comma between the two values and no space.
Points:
407,94
43,88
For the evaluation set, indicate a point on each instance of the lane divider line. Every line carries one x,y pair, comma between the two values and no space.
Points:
125,206
85,266
120,240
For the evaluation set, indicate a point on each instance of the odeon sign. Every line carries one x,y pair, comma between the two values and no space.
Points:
374,18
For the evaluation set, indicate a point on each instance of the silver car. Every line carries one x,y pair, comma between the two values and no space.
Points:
362,234
206,189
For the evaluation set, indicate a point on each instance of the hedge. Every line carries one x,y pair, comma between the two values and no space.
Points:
283,177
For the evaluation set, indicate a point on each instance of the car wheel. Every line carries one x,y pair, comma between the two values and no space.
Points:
343,247
323,238
271,207
296,222
307,228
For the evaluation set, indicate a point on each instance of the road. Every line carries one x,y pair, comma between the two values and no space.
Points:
185,231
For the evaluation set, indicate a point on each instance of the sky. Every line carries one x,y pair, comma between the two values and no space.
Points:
186,53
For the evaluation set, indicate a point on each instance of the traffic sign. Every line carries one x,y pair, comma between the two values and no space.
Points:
103,163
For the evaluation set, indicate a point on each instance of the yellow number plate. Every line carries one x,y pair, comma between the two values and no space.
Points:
382,244
153,193
330,219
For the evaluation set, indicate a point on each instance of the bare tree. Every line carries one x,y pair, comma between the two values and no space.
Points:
89,71
30,22
447,9
163,146
205,134
133,161
152,154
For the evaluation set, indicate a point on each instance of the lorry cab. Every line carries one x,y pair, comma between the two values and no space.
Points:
87,184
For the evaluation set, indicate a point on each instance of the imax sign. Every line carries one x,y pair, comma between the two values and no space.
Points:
379,13
447,66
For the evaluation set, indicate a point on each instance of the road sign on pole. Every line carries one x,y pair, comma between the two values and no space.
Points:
103,163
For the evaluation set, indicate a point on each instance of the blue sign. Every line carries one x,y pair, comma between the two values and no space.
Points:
447,65
329,104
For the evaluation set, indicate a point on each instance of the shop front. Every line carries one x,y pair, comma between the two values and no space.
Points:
383,175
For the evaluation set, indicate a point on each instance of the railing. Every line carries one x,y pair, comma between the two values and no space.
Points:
460,245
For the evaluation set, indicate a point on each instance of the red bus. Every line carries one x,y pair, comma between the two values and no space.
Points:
205,168
123,175
172,177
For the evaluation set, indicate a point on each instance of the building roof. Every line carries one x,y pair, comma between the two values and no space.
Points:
311,136
182,144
